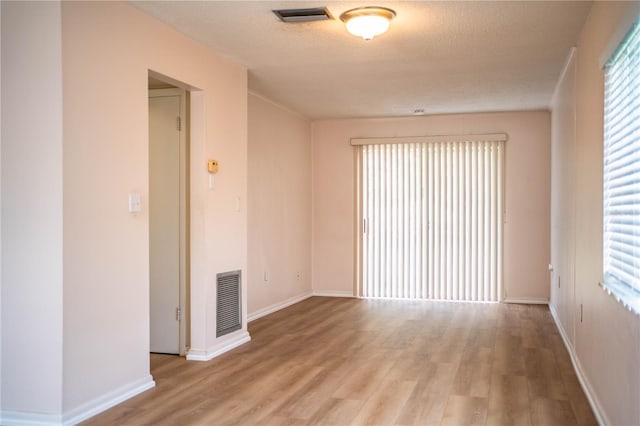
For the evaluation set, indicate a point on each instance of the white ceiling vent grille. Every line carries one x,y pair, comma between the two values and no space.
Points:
303,15
229,313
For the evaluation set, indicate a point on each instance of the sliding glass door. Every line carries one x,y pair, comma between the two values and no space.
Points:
431,219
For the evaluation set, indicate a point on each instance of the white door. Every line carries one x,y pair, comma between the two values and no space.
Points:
164,223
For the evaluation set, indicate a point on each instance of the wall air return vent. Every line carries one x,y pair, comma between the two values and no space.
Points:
229,311
303,15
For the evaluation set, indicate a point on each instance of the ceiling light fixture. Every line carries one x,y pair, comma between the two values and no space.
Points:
367,22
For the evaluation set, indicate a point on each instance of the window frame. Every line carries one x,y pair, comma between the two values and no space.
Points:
627,293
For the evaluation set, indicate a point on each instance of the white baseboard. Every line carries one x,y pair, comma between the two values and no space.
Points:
108,400
277,306
224,345
601,417
527,300
333,293
79,414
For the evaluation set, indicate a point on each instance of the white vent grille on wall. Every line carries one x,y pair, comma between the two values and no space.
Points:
229,311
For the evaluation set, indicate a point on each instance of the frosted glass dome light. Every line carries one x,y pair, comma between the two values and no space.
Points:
367,22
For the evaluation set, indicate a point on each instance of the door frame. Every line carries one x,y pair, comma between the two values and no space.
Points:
184,263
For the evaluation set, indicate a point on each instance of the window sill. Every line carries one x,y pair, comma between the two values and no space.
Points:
624,294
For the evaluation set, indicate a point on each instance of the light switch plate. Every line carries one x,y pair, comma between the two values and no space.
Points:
134,203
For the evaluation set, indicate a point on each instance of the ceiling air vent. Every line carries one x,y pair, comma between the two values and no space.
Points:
303,15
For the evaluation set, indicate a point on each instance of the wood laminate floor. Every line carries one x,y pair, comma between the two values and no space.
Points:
334,361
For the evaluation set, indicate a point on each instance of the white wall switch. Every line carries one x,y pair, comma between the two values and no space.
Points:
134,203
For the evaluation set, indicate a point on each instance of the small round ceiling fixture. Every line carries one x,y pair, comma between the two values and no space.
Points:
367,22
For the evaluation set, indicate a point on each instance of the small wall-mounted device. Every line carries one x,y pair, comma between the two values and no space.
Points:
212,166
135,206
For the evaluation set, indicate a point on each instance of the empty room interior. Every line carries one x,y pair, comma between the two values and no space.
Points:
320,212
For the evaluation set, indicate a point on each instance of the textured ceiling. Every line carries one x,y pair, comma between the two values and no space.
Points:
442,57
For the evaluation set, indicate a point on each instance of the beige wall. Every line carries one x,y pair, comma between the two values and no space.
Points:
279,205
606,343
526,232
32,146
75,76
108,49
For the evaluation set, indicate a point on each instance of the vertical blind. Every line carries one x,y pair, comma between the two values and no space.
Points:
432,220
621,203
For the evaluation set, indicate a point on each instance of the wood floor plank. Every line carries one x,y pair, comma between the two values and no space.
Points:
366,377
333,361
579,403
508,354
310,398
439,380
336,411
482,337
284,421
539,361
464,410
552,412
509,401
385,404
551,387
423,408
473,377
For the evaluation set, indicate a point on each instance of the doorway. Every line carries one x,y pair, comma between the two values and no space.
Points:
168,219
